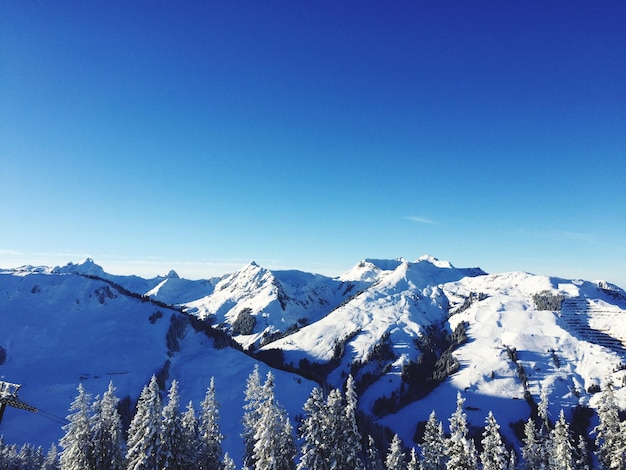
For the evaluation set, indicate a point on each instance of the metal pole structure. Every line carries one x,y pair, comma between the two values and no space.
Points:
8,396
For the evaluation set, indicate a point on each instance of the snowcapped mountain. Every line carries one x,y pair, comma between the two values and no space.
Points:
412,334
75,324
255,304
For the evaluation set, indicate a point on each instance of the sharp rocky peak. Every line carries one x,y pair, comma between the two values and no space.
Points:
88,266
172,275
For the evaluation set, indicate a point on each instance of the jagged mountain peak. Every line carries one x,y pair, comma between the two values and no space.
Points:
252,289
86,267
250,276
375,322
172,275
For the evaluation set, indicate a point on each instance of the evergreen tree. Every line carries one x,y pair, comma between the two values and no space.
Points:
229,463
434,445
8,455
395,456
512,460
561,449
77,442
335,421
29,457
610,440
532,451
171,435
51,461
329,432
582,455
494,455
542,412
543,433
414,463
210,437
144,440
274,448
189,424
373,455
106,430
253,398
316,448
351,433
460,450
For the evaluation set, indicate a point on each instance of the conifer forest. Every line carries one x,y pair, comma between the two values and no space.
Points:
329,435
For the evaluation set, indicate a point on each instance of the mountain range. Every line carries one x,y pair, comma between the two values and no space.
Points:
412,334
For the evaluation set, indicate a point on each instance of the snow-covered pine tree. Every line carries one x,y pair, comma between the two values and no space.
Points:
434,445
373,455
229,463
512,460
395,456
326,442
543,433
460,450
334,425
29,457
253,399
51,461
542,412
8,455
286,443
352,435
561,448
77,443
315,450
494,455
582,455
414,463
532,451
209,435
106,431
189,424
172,436
274,447
610,441
144,433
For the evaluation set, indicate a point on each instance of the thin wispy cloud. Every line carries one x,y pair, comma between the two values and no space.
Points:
421,220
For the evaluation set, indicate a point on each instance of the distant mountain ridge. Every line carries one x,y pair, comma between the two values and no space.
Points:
411,333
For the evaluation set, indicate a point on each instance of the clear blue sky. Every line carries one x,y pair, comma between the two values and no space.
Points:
198,135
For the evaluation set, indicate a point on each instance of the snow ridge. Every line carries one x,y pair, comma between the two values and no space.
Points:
65,325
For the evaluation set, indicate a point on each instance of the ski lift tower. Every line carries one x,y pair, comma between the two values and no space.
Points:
8,396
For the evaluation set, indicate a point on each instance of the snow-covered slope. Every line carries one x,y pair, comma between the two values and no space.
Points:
170,288
384,319
402,300
567,350
504,314
413,334
60,328
274,302
174,290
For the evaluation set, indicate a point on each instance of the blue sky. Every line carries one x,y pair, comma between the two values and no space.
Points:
309,135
